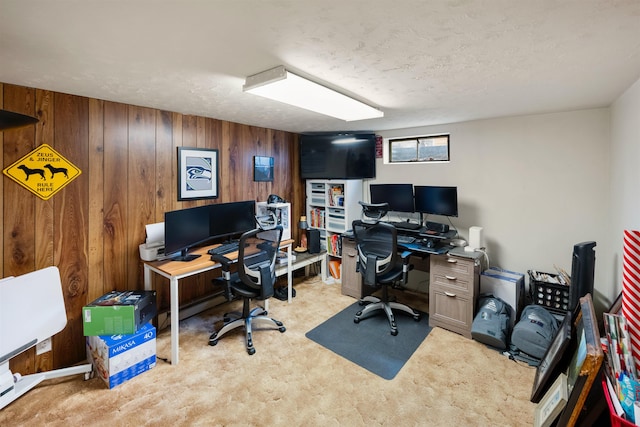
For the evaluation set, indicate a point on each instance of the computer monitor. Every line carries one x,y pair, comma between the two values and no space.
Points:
399,196
435,200
186,228
232,219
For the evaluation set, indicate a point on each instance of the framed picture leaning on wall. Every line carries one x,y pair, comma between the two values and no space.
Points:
554,361
584,367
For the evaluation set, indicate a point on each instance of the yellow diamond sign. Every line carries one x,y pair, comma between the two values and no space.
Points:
44,172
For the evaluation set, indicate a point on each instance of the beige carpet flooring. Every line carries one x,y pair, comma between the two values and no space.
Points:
292,381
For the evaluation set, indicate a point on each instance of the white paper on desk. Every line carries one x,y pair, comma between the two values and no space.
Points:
155,233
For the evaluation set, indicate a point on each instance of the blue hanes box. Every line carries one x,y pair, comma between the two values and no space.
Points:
118,358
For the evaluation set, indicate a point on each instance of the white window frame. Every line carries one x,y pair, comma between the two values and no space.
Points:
389,141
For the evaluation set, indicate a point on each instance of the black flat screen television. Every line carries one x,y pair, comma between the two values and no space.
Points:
399,196
436,200
343,155
184,229
232,219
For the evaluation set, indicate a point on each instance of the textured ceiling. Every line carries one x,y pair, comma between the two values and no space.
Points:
421,62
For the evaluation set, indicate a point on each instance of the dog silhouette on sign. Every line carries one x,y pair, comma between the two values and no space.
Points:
30,172
55,170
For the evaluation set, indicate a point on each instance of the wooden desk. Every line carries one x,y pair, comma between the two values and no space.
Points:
176,270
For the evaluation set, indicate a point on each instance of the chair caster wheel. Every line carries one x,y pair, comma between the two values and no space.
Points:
212,339
394,332
278,323
282,329
356,320
251,351
416,318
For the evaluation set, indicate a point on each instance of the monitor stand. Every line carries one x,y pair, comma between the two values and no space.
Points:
185,256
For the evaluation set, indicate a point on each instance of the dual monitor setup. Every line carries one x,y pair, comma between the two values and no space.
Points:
188,228
423,199
191,227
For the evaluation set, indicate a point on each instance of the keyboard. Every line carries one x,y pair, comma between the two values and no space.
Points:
224,249
403,225
406,239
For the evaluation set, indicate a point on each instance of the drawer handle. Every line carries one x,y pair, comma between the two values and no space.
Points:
450,277
452,260
449,294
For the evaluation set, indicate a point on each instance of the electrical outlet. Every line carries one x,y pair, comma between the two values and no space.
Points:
43,346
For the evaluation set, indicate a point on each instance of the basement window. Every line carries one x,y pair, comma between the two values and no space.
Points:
419,149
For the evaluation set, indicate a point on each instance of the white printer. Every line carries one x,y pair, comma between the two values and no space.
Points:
153,247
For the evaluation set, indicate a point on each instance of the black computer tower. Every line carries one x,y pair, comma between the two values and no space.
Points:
582,272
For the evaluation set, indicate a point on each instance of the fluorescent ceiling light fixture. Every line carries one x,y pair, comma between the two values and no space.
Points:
281,85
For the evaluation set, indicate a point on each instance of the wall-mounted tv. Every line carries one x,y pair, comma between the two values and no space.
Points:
338,155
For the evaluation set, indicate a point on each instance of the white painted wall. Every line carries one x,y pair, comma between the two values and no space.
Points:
536,184
625,175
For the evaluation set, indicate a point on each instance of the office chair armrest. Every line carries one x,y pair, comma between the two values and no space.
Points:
405,256
223,260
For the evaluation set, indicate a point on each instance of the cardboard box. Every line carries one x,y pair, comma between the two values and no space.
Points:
118,358
506,285
119,312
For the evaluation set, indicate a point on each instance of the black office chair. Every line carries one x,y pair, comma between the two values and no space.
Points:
255,279
373,212
381,266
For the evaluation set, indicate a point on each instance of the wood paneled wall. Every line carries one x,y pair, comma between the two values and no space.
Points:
91,229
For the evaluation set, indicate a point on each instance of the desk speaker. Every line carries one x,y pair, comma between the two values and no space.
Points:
313,241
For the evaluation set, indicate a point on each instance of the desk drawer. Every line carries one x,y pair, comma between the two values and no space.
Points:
450,311
453,275
460,285
452,265
336,220
453,286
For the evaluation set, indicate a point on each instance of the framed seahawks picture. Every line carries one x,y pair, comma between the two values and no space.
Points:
197,173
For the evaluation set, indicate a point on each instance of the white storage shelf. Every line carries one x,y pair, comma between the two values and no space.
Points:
332,205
